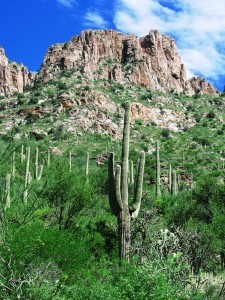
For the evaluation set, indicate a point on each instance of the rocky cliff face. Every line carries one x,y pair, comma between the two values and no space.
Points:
13,77
202,86
151,61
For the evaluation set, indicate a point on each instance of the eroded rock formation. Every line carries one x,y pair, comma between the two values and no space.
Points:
13,77
151,61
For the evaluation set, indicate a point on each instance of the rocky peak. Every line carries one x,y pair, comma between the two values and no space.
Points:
13,77
201,86
152,61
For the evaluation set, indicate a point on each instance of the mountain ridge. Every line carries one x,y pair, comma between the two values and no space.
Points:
152,61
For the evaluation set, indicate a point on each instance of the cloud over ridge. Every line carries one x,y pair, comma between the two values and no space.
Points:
94,19
197,26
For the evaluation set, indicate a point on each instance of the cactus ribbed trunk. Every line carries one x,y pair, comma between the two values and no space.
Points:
124,233
125,155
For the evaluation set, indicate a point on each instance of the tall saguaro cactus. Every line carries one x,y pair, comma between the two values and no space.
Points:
13,165
38,168
158,190
87,164
174,183
7,191
118,190
170,180
27,180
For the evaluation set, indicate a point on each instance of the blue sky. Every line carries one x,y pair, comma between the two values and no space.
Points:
29,27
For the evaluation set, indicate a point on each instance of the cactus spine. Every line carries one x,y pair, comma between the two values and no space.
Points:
7,191
118,190
27,176
174,183
158,190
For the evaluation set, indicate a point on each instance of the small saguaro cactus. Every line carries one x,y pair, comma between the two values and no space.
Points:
170,180
118,190
38,169
158,190
87,164
13,165
48,158
27,176
7,191
36,162
174,183
22,154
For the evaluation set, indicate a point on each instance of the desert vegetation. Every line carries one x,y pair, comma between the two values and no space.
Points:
63,184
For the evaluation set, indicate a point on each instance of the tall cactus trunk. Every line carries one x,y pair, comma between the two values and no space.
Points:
124,233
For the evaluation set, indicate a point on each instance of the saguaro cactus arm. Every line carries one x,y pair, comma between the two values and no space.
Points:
117,184
112,186
135,207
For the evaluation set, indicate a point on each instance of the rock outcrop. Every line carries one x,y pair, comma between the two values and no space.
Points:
152,61
201,86
13,77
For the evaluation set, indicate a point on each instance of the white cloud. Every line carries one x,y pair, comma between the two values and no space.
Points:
197,26
94,19
67,3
